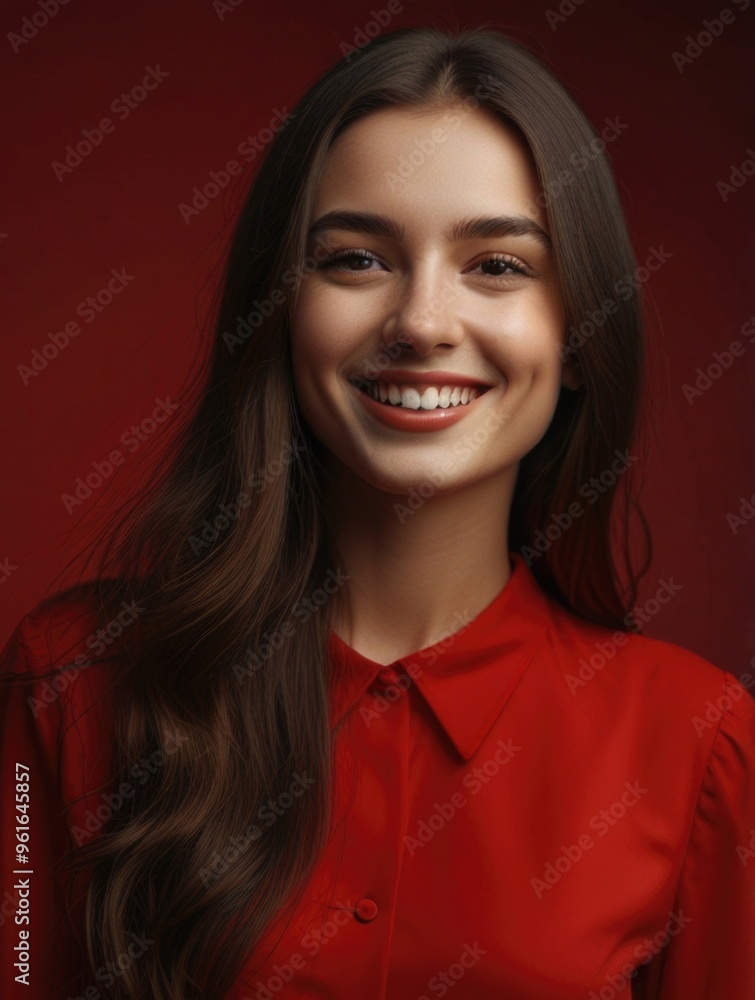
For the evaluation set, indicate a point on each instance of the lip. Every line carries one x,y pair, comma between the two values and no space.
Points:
419,420
403,375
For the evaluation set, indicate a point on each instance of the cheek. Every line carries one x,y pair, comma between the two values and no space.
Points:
526,343
319,350
322,331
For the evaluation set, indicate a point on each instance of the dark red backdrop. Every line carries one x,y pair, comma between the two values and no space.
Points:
218,73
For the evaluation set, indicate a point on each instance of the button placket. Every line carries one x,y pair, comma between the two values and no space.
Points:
387,721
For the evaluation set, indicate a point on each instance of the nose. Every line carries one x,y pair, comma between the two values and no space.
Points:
426,316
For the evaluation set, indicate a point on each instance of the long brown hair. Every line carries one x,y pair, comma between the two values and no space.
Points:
229,538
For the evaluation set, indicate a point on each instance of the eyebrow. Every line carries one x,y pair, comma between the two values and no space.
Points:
481,227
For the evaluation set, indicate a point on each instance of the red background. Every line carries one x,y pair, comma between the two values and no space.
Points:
226,76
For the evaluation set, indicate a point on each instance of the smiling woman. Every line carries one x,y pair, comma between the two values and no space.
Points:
464,287
408,735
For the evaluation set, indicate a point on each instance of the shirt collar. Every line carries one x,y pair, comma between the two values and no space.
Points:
466,678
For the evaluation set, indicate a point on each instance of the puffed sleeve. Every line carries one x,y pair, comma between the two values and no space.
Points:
38,947
711,954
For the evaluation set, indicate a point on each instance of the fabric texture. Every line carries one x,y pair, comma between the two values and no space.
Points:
535,808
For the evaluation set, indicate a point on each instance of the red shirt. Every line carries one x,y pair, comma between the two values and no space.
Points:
534,808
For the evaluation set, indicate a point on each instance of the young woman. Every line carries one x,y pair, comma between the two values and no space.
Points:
357,705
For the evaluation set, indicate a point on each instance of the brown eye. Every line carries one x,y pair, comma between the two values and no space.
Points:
337,261
503,267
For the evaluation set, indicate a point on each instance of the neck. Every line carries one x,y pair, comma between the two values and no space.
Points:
415,575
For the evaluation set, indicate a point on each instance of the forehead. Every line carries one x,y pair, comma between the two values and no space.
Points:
434,160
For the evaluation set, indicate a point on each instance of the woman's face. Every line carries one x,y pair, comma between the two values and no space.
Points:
478,311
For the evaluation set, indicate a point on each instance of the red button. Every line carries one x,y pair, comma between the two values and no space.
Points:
366,910
387,675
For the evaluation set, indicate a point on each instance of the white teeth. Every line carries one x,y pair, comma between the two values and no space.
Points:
432,398
429,399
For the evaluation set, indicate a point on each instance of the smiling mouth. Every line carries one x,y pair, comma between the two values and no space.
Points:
421,395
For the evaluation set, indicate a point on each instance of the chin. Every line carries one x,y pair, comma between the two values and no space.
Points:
421,483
